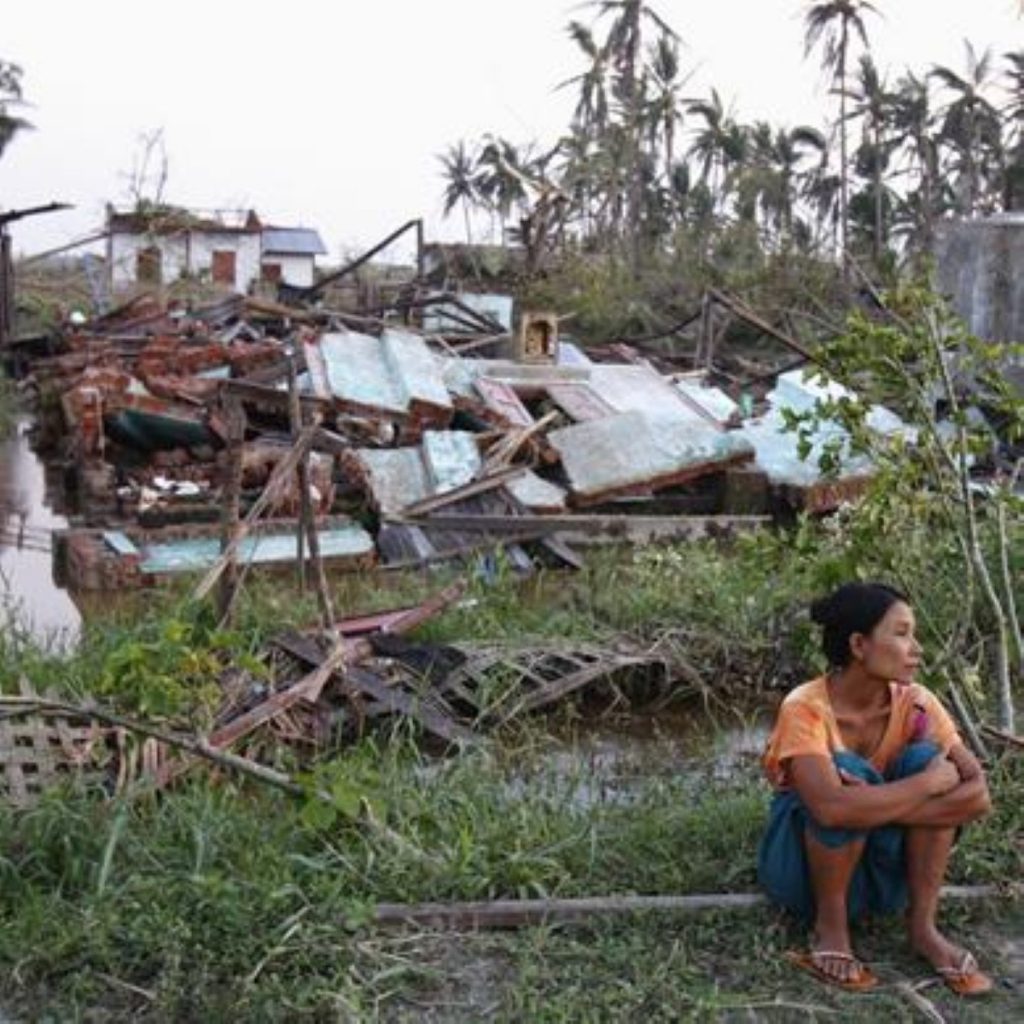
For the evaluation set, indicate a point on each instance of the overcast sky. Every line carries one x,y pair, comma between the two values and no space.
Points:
331,114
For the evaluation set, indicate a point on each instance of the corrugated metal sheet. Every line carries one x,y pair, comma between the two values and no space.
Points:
536,494
293,242
501,398
713,401
357,373
396,477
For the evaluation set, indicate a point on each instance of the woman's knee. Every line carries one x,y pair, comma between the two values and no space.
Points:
853,764
914,758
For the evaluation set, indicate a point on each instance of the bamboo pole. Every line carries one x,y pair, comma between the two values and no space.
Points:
281,472
323,593
529,913
302,475
232,489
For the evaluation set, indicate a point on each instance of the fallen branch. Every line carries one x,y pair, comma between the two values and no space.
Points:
1006,737
19,706
15,706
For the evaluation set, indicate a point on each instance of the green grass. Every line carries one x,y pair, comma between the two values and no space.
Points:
222,904
661,968
220,901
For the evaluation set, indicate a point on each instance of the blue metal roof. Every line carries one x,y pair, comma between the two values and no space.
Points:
293,241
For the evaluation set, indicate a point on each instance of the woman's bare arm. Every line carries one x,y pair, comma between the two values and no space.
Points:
835,805
966,802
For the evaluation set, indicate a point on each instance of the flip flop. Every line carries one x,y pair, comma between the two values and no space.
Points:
863,979
967,979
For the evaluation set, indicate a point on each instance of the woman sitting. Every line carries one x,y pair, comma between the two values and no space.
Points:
872,784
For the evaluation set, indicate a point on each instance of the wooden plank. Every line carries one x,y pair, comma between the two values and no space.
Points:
358,681
278,477
744,312
308,688
428,715
567,684
530,913
488,483
586,530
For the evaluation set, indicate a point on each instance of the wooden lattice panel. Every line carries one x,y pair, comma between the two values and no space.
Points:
39,750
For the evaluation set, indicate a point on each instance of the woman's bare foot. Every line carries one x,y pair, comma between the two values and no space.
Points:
930,943
830,939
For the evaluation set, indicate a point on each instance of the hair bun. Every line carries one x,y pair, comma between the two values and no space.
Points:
821,610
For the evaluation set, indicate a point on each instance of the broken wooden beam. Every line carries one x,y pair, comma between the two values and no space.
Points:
308,688
360,682
744,312
474,487
585,530
278,478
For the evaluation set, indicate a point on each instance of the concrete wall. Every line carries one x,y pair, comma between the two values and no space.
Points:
295,270
980,266
186,252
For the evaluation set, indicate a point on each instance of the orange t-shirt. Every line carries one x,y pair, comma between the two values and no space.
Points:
806,724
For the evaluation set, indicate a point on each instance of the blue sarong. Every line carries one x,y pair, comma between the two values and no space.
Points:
879,883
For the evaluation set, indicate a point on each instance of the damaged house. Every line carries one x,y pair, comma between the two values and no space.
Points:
230,248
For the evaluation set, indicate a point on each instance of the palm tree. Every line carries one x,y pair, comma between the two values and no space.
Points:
591,113
623,48
663,110
873,104
1013,116
10,97
789,149
498,180
720,146
911,124
971,127
460,190
822,188
830,23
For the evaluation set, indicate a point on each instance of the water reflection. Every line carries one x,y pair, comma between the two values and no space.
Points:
615,762
27,587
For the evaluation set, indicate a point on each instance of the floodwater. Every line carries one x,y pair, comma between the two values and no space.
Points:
29,596
612,761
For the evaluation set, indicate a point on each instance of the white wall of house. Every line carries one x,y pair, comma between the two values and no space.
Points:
123,251
245,246
296,270
187,252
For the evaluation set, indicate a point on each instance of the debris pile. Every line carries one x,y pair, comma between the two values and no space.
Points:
316,693
420,444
